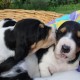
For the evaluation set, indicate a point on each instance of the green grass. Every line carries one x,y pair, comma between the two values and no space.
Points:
65,8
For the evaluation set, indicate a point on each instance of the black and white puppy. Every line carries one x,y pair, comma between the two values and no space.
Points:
52,59
7,22
28,36
65,55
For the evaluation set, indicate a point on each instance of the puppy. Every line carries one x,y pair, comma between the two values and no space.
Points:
66,53
27,37
7,22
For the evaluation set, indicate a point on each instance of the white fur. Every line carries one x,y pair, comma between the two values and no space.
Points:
2,23
50,64
4,51
29,64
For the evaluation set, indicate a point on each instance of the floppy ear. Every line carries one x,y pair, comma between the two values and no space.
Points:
10,39
22,48
17,42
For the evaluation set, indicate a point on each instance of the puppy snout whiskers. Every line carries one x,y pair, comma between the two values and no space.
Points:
65,48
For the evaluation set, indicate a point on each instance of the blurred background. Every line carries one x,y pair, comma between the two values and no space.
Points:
60,6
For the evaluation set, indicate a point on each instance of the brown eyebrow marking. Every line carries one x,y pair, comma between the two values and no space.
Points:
78,34
41,25
63,29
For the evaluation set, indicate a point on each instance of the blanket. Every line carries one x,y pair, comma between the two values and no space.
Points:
75,16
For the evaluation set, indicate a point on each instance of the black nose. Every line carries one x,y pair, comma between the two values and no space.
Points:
65,48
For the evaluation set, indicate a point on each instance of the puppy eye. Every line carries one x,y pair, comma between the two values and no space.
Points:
78,34
63,30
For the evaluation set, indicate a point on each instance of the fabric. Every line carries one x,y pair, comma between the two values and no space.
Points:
75,16
68,75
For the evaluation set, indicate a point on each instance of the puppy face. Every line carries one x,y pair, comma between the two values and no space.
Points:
34,34
68,41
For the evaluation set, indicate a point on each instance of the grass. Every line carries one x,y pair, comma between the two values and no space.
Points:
65,9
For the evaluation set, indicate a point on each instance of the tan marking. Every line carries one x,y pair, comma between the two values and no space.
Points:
63,29
41,25
45,43
33,46
37,46
78,34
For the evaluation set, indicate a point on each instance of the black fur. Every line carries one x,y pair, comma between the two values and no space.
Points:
22,76
10,39
9,22
25,33
77,56
40,53
7,19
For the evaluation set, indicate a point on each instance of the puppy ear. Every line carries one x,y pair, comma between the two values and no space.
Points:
22,48
63,29
10,39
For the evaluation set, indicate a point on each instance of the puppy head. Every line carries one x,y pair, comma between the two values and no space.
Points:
33,34
68,41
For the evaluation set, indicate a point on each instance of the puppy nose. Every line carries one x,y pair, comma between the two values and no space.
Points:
65,48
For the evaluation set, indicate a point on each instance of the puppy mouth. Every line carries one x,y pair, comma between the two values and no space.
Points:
63,55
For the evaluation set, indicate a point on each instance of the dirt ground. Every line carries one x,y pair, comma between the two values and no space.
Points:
18,14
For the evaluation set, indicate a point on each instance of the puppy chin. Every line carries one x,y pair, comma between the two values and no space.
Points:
61,58
65,57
